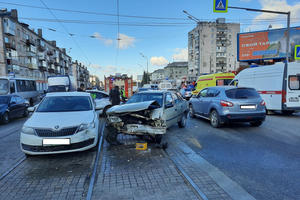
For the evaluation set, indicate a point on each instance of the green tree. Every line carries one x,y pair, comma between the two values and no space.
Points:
146,78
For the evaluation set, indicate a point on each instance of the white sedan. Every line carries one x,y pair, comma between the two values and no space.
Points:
63,122
101,100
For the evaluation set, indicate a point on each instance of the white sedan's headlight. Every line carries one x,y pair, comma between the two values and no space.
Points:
28,130
83,127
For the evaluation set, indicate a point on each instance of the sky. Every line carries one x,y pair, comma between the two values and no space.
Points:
156,29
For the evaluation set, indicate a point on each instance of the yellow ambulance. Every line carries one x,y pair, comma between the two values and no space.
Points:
211,80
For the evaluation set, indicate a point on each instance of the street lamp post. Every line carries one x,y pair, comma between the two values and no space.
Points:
147,65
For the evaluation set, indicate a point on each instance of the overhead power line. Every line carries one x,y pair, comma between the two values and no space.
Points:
108,22
66,30
93,13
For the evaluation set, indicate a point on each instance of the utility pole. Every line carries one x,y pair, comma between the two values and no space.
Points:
147,80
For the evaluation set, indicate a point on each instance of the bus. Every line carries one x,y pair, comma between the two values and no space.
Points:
211,80
23,87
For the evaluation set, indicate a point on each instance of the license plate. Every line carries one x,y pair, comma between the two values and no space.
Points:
56,141
248,107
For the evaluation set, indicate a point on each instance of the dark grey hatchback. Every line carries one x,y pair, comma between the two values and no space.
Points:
226,104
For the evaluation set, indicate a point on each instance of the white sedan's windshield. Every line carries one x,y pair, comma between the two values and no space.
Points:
65,104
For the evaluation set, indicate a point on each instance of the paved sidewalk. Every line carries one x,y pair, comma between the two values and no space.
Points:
126,173
130,174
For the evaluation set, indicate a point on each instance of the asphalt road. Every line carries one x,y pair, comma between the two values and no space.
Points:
263,160
10,151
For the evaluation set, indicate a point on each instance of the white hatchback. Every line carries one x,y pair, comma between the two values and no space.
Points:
63,122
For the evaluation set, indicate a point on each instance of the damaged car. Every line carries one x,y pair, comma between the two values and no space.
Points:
147,113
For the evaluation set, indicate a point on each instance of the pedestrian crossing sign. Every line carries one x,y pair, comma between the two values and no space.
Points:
220,6
297,52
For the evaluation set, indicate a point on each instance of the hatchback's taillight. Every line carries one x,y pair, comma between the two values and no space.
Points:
226,103
263,103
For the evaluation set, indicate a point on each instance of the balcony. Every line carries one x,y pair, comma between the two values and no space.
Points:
41,48
51,70
10,45
30,42
12,61
32,66
41,56
42,65
50,53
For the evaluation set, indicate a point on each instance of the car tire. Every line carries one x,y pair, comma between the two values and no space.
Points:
192,112
5,118
182,122
256,123
214,119
158,139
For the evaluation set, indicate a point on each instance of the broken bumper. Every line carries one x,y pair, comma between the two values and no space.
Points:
138,129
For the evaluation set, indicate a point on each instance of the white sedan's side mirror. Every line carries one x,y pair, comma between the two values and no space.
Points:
31,109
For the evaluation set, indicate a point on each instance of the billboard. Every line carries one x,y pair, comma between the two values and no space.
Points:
269,44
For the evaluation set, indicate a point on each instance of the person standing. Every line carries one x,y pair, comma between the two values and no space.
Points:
81,88
110,131
114,96
123,94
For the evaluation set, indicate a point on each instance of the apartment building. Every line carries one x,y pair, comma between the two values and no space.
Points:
25,53
81,74
95,82
157,76
176,71
212,48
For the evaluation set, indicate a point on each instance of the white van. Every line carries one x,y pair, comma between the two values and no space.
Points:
279,93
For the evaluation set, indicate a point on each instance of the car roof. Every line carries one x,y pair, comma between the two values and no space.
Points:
228,87
9,95
97,91
63,94
154,91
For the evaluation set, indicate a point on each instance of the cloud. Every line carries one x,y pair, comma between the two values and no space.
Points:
126,41
278,5
180,54
106,41
159,61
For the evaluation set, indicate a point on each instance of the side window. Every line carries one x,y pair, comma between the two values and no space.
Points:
13,99
210,93
19,100
176,100
12,87
169,99
294,82
203,93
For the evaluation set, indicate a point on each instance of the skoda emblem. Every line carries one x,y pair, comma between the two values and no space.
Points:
56,127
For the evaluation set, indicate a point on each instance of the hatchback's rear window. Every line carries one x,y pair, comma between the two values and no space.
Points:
241,93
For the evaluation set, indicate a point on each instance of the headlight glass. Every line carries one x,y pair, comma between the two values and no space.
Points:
83,127
28,130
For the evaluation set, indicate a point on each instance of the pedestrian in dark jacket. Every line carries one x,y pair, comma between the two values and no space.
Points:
114,96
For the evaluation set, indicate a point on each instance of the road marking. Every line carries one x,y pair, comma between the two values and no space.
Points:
195,142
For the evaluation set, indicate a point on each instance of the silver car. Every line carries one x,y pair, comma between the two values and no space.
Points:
147,113
226,104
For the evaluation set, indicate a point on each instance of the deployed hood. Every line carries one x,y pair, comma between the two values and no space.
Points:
61,119
133,107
